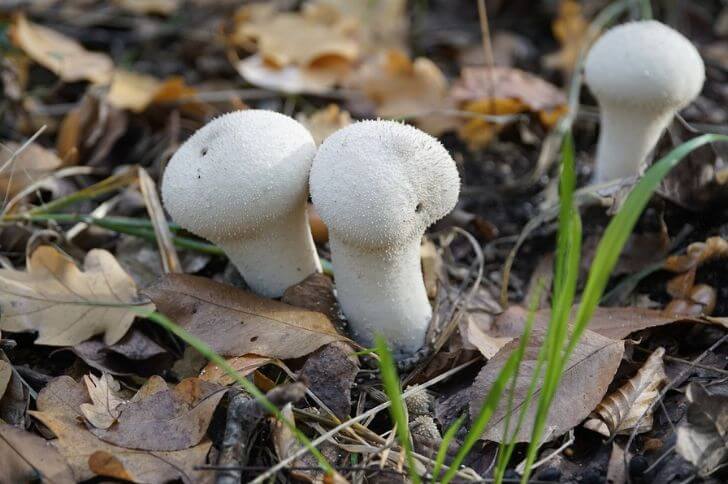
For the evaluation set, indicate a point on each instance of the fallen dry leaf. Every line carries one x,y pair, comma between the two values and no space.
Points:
325,122
104,393
570,29
164,419
66,305
6,372
62,55
330,373
236,322
503,91
78,445
135,353
400,87
244,365
585,380
131,90
25,457
289,79
622,411
702,439
15,399
63,396
31,165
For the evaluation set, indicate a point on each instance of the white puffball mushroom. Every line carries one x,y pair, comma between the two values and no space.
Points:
641,73
241,181
378,185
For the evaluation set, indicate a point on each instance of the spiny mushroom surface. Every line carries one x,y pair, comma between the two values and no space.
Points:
378,185
241,181
641,73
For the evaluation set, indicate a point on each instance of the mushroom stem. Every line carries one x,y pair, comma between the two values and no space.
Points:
277,255
382,293
627,136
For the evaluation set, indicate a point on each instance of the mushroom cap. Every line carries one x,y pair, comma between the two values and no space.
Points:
644,64
379,184
238,173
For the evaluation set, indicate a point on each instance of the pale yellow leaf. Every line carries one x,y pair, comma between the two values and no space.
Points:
325,121
65,304
62,55
133,91
104,393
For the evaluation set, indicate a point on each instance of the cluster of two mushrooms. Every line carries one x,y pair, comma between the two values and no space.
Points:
242,181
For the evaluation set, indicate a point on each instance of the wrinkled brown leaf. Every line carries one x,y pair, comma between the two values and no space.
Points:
66,305
78,445
621,411
235,322
6,372
30,166
244,365
585,380
165,419
329,373
104,393
702,438
63,396
25,457
60,54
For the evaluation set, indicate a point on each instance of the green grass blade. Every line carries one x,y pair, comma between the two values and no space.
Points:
397,409
218,360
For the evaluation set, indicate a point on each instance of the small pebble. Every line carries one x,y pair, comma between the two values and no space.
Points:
637,466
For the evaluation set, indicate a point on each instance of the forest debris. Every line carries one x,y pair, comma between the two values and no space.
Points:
243,365
622,411
101,299
585,380
329,373
165,419
25,457
319,230
63,396
131,90
104,393
15,399
122,357
571,30
62,55
30,165
324,122
503,91
236,322
149,7
6,372
702,438
401,87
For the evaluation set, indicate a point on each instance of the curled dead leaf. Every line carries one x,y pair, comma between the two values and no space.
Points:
702,439
62,55
65,304
104,393
622,411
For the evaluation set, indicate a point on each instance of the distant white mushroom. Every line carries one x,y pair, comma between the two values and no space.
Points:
641,73
378,185
241,181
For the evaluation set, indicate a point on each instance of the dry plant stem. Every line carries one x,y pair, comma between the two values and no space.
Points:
170,260
667,388
324,437
14,156
33,188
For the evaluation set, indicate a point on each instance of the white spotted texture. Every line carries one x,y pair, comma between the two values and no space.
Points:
241,181
378,185
641,73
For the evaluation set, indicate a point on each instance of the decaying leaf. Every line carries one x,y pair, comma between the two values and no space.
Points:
63,56
164,419
570,29
78,445
702,438
236,322
136,92
25,457
104,393
401,87
330,373
29,166
503,91
244,365
325,121
585,380
66,305
6,372
621,411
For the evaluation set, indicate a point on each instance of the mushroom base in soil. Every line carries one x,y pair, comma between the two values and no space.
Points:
383,294
277,256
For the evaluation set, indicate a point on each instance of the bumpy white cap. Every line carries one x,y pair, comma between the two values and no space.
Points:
238,173
241,181
645,64
380,183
